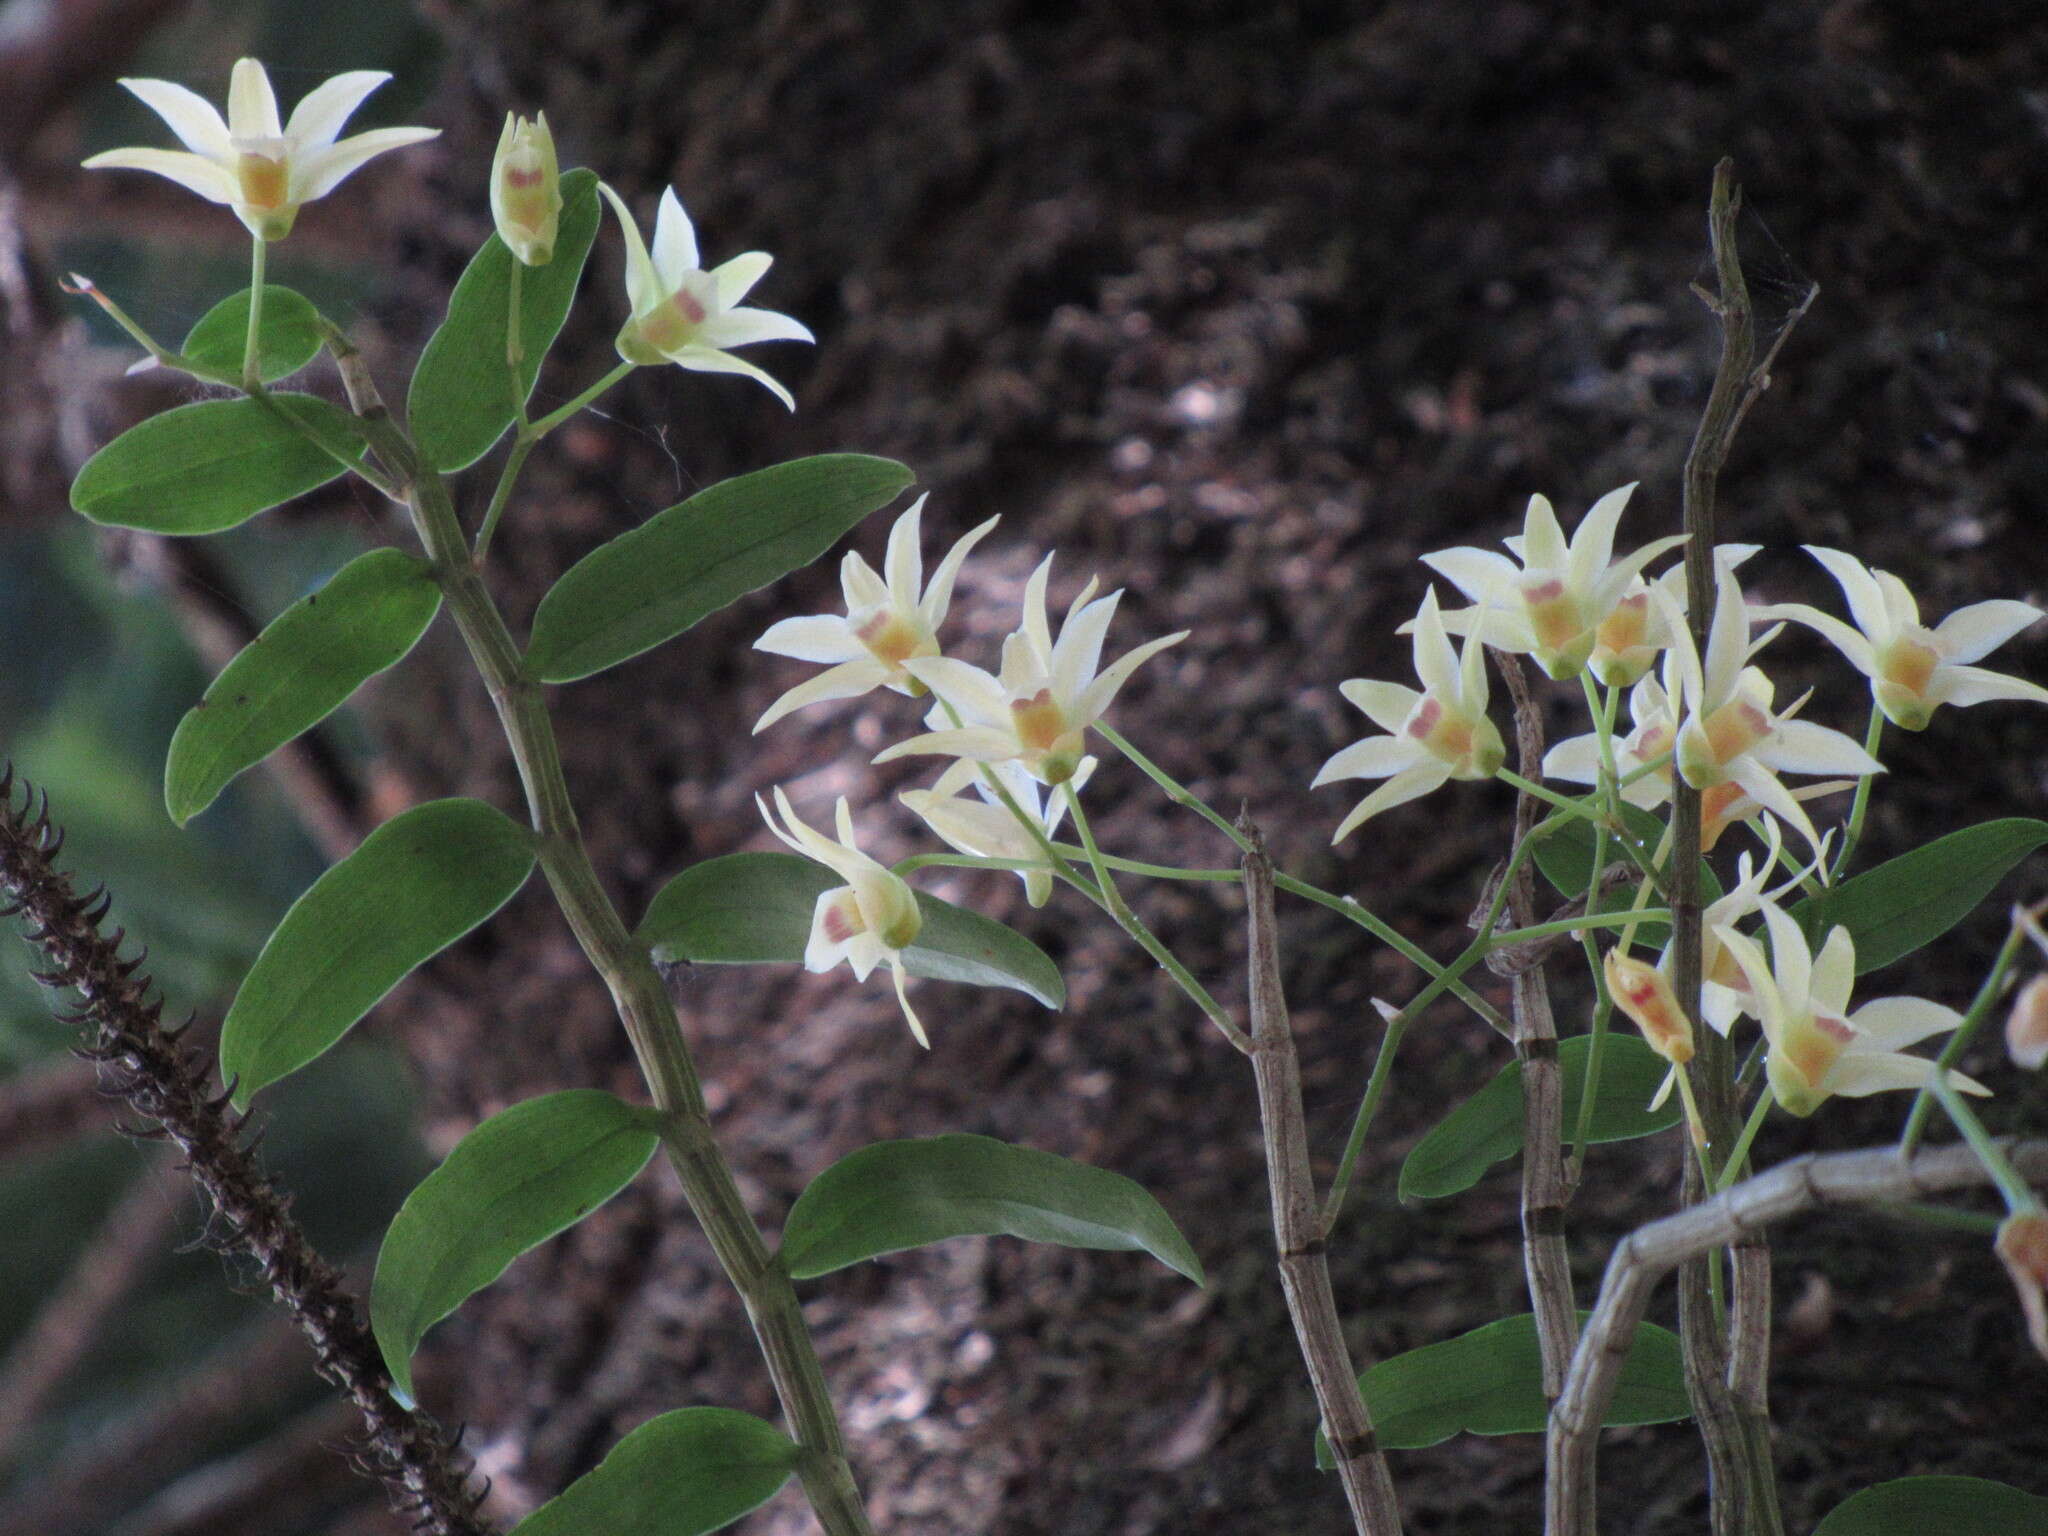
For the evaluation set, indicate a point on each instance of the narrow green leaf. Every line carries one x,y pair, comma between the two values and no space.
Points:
203,467
1487,1127
755,908
682,1474
904,1194
525,1174
307,661
649,585
1912,900
1952,1506
416,885
1490,1382
290,336
461,397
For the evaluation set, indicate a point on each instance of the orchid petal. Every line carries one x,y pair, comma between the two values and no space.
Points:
964,686
675,240
938,597
847,681
734,280
190,116
252,105
1103,690
1972,633
643,284
317,120
710,360
1376,757
1399,790
195,173
905,560
1893,1023
821,638
1387,705
744,327
320,172
1860,588
1964,686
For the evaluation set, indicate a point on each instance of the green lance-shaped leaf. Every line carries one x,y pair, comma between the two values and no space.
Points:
1490,1382
416,885
649,585
210,465
755,908
1487,1127
1912,900
289,334
1951,1506
682,1474
460,402
525,1174
904,1194
299,670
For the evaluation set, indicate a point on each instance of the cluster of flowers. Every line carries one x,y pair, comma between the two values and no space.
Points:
267,169
1582,614
1017,736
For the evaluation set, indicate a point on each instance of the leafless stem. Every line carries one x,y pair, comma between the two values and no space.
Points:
1727,1383
1545,1260
1297,1224
162,1078
1873,1176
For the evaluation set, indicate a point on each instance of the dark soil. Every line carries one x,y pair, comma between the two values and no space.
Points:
1244,308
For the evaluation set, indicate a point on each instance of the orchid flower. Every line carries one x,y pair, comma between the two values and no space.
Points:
262,170
1817,1047
1914,670
1637,631
886,623
871,919
526,190
985,828
1440,734
687,316
1553,604
1038,709
1648,746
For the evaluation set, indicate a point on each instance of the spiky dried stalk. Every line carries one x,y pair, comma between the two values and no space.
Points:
161,1078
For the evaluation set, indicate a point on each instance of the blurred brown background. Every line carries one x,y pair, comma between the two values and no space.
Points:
1243,307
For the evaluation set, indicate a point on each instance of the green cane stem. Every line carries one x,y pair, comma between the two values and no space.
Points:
252,359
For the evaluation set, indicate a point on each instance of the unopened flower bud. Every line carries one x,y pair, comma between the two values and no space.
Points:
2022,1247
1644,993
526,189
2026,1027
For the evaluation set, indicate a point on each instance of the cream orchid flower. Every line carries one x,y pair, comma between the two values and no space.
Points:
1553,604
886,623
1914,670
1440,734
687,316
263,170
985,828
1037,710
1817,1047
1631,638
526,190
870,920
1648,745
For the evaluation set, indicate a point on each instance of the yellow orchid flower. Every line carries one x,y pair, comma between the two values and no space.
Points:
1914,670
1037,710
868,921
886,624
1437,735
687,316
262,169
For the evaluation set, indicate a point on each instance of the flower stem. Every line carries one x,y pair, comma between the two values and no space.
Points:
1964,1033
1872,736
252,358
1732,1169
1147,940
555,418
1177,792
2020,1199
